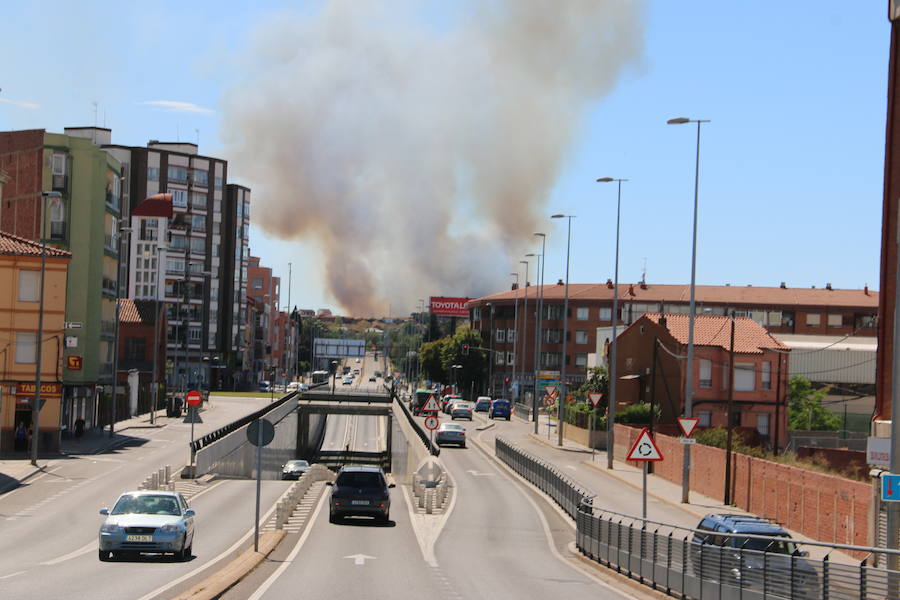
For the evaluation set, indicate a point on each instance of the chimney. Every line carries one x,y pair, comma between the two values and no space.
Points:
828,286
515,286
643,285
560,282
631,289
609,283
663,322
866,290
783,285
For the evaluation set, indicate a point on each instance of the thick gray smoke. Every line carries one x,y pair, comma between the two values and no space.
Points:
419,160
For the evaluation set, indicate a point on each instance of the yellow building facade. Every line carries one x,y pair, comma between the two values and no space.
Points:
20,278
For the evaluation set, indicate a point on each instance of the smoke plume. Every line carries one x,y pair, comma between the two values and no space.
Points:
419,159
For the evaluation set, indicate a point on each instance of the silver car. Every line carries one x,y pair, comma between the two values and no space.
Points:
450,433
148,521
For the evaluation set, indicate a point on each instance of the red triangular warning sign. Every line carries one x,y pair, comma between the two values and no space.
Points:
431,405
687,425
644,448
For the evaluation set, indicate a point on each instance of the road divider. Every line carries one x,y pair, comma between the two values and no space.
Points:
288,504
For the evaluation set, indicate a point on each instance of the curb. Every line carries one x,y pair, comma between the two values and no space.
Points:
485,427
218,583
538,438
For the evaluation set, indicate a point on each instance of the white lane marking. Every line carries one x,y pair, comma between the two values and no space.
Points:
360,559
262,589
474,473
6,494
12,574
511,476
226,553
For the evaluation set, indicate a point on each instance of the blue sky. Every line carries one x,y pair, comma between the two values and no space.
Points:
791,163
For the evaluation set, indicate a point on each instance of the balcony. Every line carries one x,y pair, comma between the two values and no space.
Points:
109,286
110,244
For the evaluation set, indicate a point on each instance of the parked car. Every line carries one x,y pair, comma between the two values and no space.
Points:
749,561
450,433
151,521
483,404
360,491
265,386
347,380
500,408
461,410
372,378
377,373
294,469
297,386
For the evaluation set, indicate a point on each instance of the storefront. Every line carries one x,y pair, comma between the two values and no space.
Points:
15,412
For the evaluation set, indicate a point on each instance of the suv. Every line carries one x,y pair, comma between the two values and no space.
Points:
746,561
360,491
500,408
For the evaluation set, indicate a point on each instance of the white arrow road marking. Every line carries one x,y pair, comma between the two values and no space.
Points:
570,467
479,473
360,559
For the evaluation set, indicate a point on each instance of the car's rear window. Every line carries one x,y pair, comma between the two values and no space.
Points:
360,479
452,427
462,405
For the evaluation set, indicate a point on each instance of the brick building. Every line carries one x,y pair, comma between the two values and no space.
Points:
760,374
139,343
265,290
780,310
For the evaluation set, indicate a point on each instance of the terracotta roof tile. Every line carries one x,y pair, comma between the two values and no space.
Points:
18,246
136,311
707,294
710,330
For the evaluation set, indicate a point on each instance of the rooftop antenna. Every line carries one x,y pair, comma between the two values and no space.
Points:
644,272
197,131
95,103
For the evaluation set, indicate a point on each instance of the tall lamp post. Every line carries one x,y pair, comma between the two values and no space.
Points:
123,231
515,339
491,358
565,341
689,379
611,411
539,321
36,403
521,376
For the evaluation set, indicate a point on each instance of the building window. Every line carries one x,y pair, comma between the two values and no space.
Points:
179,198
511,335
835,320
499,357
198,222
510,358
57,220
605,313
177,174
705,418
500,335
813,319
581,337
705,373
198,245
553,311
744,377
153,173
257,284
28,286
218,182
25,347
476,313
58,164
766,376
581,313
201,177
551,359
195,334
581,359
551,336
135,349
762,423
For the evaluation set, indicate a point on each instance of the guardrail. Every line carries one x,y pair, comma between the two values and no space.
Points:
696,564
433,449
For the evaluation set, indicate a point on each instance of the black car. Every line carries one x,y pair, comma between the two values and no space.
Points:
293,469
360,491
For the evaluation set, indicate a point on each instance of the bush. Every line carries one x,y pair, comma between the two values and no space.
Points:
636,414
718,438
579,414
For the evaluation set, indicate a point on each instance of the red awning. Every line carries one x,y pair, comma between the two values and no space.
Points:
157,205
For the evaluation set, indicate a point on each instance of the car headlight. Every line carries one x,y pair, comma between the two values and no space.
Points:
171,528
110,528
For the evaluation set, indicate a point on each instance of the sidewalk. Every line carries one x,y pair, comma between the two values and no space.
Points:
16,469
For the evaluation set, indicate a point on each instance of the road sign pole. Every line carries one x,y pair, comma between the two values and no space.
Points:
591,433
644,495
259,446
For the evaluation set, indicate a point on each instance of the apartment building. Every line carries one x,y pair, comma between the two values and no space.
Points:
265,289
84,219
236,255
780,310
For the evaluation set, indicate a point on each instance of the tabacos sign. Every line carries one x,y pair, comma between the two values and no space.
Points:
449,307
47,389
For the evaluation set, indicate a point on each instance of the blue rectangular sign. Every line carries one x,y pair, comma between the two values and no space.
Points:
890,488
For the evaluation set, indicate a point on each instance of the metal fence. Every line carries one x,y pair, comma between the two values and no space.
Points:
697,564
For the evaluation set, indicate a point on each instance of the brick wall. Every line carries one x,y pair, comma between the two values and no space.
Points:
824,507
21,156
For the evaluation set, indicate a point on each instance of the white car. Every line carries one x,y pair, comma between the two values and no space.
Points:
297,386
152,521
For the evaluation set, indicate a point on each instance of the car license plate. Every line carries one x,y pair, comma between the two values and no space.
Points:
139,538
359,502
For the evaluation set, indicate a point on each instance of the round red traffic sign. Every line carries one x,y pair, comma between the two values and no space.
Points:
194,398
431,422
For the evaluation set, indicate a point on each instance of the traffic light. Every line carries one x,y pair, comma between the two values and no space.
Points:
465,349
506,380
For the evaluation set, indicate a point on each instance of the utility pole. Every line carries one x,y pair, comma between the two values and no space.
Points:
777,406
730,438
291,359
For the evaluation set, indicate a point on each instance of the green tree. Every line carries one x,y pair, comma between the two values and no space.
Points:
597,382
474,363
805,410
430,359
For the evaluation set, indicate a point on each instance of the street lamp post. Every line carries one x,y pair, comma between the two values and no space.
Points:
516,330
689,379
36,402
519,385
539,321
491,358
613,398
123,231
155,382
565,341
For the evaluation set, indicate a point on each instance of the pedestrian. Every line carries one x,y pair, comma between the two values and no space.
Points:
21,434
79,428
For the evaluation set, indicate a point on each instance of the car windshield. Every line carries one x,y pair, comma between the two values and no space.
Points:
297,463
360,479
146,505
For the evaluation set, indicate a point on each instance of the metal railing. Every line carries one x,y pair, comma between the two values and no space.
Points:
691,563
433,449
